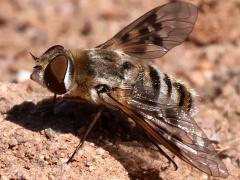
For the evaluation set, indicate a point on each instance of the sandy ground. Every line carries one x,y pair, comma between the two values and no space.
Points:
36,145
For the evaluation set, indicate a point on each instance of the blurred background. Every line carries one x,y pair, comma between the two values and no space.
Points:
208,62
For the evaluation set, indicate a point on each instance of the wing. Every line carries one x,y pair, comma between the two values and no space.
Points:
171,127
156,32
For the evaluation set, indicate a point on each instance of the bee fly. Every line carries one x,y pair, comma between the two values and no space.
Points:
112,75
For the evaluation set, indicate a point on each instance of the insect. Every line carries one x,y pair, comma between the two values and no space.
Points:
117,75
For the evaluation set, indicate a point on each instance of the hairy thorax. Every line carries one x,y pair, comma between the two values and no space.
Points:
95,67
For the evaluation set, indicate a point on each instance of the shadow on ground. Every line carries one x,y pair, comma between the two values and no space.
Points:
69,117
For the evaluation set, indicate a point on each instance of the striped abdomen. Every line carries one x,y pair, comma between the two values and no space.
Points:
159,87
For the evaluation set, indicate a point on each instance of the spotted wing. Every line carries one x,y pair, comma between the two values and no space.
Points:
156,32
171,127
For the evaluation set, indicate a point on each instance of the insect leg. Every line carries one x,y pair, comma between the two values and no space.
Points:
95,119
54,99
163,153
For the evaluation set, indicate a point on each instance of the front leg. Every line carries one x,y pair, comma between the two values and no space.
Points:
87,131
100,89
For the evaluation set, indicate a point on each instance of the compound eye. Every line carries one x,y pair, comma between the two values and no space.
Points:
55,73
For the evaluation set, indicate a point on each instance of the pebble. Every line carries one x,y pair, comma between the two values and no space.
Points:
100,151
49,133
215,137
42,157
12,142
88,163
92,144
91,168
